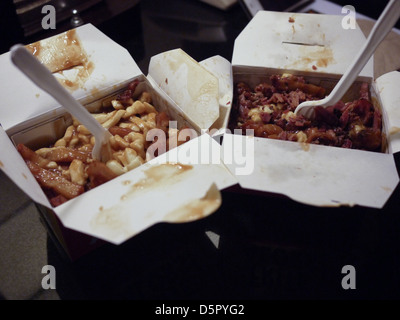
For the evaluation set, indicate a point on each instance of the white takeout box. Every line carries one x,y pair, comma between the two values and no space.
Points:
317,47
118,210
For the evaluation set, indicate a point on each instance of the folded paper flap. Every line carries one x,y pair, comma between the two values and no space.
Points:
60,52
197,209
317,175
183,191
106,71
222,69
131,208
192,87
299,41
388,90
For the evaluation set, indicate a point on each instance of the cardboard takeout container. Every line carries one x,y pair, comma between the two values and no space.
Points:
170,188
317,47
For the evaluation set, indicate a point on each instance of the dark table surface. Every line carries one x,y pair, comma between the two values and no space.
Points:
269,247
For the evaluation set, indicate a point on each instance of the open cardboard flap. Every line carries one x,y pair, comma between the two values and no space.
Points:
313,174
158,191
207,102
22,99
388,89
189,84
222,69
310,43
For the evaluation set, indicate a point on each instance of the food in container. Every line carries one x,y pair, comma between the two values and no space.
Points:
67,169
316,49
268,109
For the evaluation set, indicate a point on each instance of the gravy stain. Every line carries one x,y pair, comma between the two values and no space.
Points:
160,175
62,53
195,91
198,208
115,221
313,56
78,81
34,48
200,91
112,221
95,92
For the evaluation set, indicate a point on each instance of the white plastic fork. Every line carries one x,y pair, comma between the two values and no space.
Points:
45,80
385,23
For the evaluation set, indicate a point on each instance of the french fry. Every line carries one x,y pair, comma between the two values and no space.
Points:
51,180
62,154
99,173
32,156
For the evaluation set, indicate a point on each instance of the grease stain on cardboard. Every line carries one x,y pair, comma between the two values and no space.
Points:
114,221
198,208
320,56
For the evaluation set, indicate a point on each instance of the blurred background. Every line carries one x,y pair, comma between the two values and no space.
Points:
21,19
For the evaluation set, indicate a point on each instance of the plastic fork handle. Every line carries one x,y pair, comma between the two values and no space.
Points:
385,23
45,80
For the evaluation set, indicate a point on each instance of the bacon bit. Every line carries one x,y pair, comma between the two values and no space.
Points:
325,115
294,82
242,87
291,19
162,121
265,117
125,97
58,200
314,67
132,86
265,88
